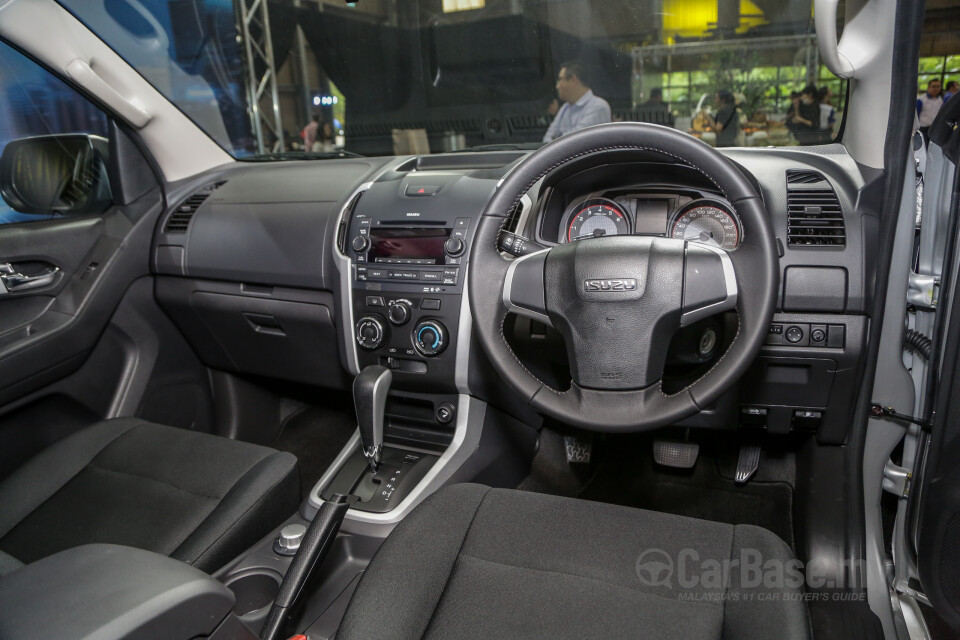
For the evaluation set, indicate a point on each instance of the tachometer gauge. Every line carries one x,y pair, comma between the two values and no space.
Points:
597,217
707,222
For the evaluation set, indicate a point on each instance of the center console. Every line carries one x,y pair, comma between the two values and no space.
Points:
403,254
408,246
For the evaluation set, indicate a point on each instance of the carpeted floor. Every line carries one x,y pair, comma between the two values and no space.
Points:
315,435
627,475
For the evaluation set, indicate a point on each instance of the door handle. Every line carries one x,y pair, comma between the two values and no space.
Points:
12,281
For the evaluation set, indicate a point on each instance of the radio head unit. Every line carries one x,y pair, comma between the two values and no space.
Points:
421,246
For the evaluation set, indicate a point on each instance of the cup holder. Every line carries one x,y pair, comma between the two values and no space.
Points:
255,590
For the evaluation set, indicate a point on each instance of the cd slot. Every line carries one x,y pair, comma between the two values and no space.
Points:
413,223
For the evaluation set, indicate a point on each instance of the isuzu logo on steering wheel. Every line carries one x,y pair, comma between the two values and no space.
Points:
622,284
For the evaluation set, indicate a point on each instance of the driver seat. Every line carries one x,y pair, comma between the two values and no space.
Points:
475,562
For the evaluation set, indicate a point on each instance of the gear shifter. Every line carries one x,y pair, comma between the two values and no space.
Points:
370,390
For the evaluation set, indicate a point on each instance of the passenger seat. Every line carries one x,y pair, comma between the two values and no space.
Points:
196,497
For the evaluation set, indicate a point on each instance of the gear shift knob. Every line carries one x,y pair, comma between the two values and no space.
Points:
370,390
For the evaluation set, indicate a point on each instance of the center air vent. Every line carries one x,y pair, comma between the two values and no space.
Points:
814,216
179,220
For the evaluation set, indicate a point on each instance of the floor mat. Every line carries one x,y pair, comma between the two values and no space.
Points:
627,475
315,435
699,494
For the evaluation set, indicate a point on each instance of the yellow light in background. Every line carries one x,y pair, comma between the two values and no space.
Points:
692,18
449,6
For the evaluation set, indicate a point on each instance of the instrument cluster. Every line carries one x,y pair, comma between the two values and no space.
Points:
706,220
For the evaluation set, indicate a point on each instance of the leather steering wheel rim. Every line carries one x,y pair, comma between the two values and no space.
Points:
754,262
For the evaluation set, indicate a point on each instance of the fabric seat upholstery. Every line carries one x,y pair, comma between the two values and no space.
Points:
474,562
196,497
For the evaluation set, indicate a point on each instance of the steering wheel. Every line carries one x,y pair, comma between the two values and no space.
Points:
618,300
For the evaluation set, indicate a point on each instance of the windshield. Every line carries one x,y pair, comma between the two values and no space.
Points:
379,77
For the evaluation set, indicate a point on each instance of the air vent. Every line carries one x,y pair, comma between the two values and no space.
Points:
513,218
814,216
179,220
803,177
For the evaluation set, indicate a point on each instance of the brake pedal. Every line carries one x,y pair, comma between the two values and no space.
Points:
747,463
679,455
579,450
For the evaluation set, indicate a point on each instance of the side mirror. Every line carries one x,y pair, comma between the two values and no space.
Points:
56,175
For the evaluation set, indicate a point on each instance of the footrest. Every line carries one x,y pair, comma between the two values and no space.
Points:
747,463
679,455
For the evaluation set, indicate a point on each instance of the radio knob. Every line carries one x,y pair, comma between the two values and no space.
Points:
399,313
453,246
361,244
370,332
430,337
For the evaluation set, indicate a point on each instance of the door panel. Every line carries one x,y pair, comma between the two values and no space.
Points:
47,334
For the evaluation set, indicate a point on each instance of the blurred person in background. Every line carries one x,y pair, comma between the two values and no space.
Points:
581,108
951,90
928,106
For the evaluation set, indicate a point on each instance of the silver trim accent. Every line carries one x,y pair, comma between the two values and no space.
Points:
730,280
345,267
526,207
508,287
461,362
381,388
466,439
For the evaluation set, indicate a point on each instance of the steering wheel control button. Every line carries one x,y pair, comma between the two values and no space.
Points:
709,284
370,332
430,337
445,413
360,244
454,246
793,334
399,313
289,540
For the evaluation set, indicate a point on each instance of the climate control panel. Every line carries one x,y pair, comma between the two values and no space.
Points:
430,337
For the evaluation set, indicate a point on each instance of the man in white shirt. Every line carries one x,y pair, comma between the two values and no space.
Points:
581,108
928,105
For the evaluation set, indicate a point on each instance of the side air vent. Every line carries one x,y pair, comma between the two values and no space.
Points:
814,216
513,218
179,220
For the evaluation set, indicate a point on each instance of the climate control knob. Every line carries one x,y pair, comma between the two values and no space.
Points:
370,332
430,337
399,313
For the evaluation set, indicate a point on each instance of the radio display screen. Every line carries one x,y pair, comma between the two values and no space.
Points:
420,244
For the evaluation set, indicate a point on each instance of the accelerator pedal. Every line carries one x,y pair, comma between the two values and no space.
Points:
747,463
679,455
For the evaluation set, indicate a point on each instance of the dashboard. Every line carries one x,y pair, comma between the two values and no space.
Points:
287,270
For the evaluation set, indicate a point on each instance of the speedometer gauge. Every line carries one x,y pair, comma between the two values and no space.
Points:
707,222
597,217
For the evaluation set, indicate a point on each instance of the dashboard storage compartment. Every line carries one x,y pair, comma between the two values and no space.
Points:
274,332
